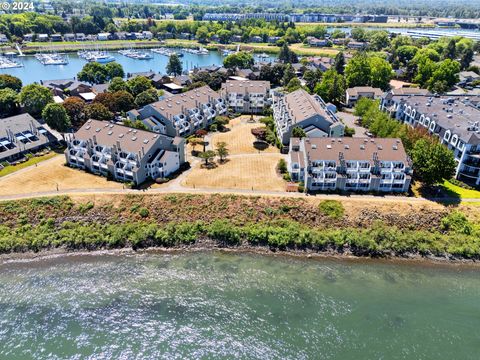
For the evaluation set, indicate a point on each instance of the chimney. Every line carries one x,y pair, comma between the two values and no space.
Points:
94,139
143,151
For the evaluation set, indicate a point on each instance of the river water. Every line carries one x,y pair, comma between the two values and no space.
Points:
34,71
225,306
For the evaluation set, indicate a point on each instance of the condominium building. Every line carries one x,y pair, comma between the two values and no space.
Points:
247,97
181,114
455,120
351,164
352,95
22,134
309,112
124,153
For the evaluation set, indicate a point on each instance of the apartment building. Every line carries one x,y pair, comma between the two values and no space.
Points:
124,153
350,164
246,97
181,114
309,112
455,120
22,134
352,95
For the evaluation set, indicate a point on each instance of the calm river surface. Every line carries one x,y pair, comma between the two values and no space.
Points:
34,71
224,306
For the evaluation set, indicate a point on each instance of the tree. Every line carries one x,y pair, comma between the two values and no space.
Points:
139,84
174,66
93,73
358,34
194,141
146,97
56,117
466,58
114,70
117,84
202,34
379,40
339,63
8,102
293,84
75,108
450,51
380,73
312,77
122,101
444,76
208,156
357,71
10,82
240,60
222,151
137,124
286,55
432,161
34,98
98,111
298,132
288,75
332,87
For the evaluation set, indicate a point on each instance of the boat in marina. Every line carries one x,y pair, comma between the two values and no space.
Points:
6,63
96,56
200,51
166,52
52,59
263,56
135,54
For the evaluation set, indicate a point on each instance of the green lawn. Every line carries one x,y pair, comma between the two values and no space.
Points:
34,160
461,192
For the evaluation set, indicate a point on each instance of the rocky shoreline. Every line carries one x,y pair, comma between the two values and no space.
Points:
206,245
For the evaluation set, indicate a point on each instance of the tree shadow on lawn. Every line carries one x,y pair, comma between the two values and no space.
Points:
440,194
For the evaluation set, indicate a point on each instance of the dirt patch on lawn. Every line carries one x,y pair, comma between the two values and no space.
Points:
257,172
47,175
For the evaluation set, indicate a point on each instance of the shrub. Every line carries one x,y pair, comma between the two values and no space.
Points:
143,212
331,208
456,222
282,166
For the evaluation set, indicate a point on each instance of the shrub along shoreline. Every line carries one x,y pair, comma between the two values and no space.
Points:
457,238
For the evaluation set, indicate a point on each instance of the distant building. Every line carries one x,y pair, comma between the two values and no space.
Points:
248,97
455,120
352,95
80,37
124,153
467,77
42,37
22,134
309,112
69,37
156,79
56,37
312,41
103,36
181,114
357,45
67,87
3,38
350,164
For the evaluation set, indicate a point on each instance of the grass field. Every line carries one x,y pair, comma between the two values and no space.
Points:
240,139
302,49
35,160
255,172
461,192
48,174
